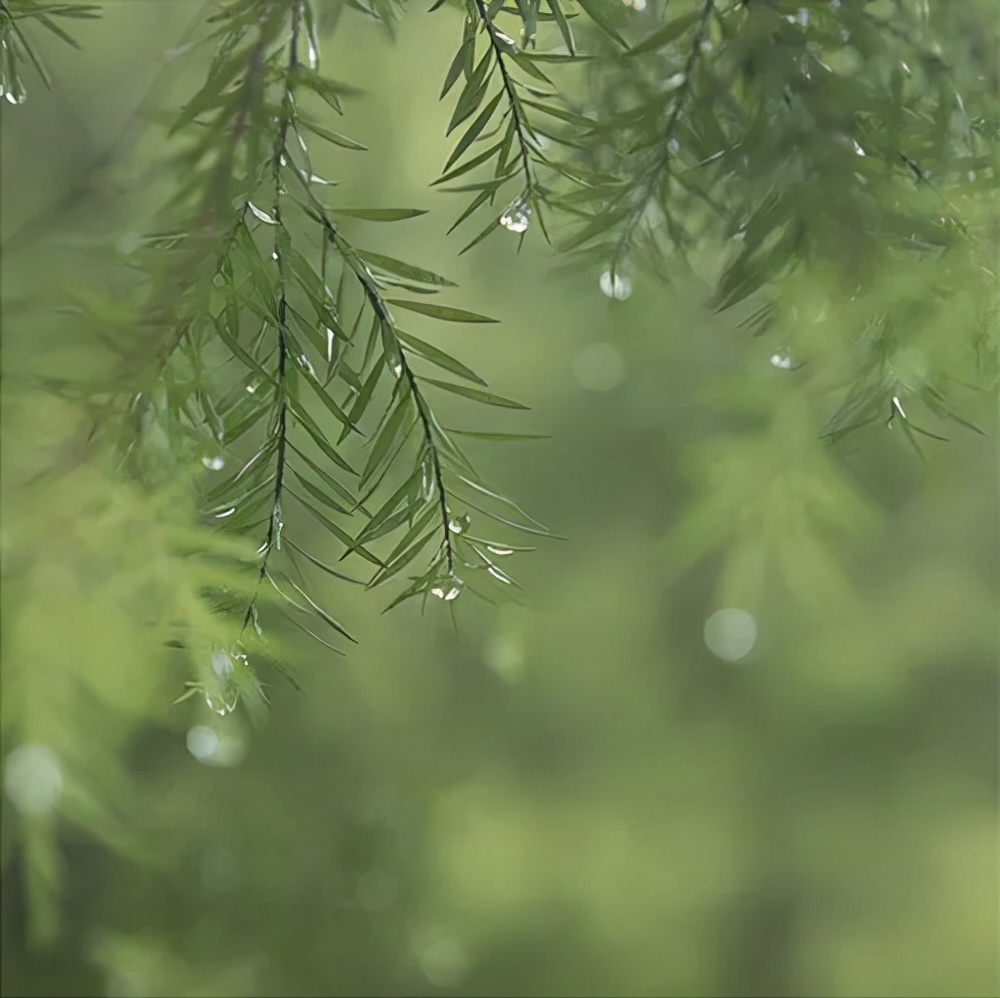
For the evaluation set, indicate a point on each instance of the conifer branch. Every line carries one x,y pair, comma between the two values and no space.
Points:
649,180
521,127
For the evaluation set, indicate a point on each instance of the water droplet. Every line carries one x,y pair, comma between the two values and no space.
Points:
858,151
218,704
213,749
448,589
459,524
274,255
214,462
499,551
505,40
303,361
673,147
311,53
898,406
905,67
252,387
222,664
397,369
176,53
782,361
331,337
730,633
16,93
427,479
263,216
33,779
674,81
615,284
499,575
225,513
804,17
516,216
316,179
706,46
599,368
505,654
971,175
279,525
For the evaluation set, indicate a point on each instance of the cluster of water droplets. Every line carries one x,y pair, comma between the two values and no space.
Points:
516,215
449,588
13,91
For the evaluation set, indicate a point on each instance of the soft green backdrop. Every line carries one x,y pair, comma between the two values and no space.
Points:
572,796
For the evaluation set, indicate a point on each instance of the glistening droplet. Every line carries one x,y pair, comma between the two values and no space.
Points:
459,524
214,462
516,216
33,779
730,633
258,213
448,589
615,285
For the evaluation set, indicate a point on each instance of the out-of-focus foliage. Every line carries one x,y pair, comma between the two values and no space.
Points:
742,739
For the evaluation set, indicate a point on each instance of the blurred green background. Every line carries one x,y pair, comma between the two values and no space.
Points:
612,789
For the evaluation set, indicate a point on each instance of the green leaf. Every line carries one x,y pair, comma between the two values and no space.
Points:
407,270
379,214
474,130
387,436
335,137
475,394
564,29
455,69
445,312
665,35
480,435
439,357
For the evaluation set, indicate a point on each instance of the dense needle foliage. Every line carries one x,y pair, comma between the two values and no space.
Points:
822,173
